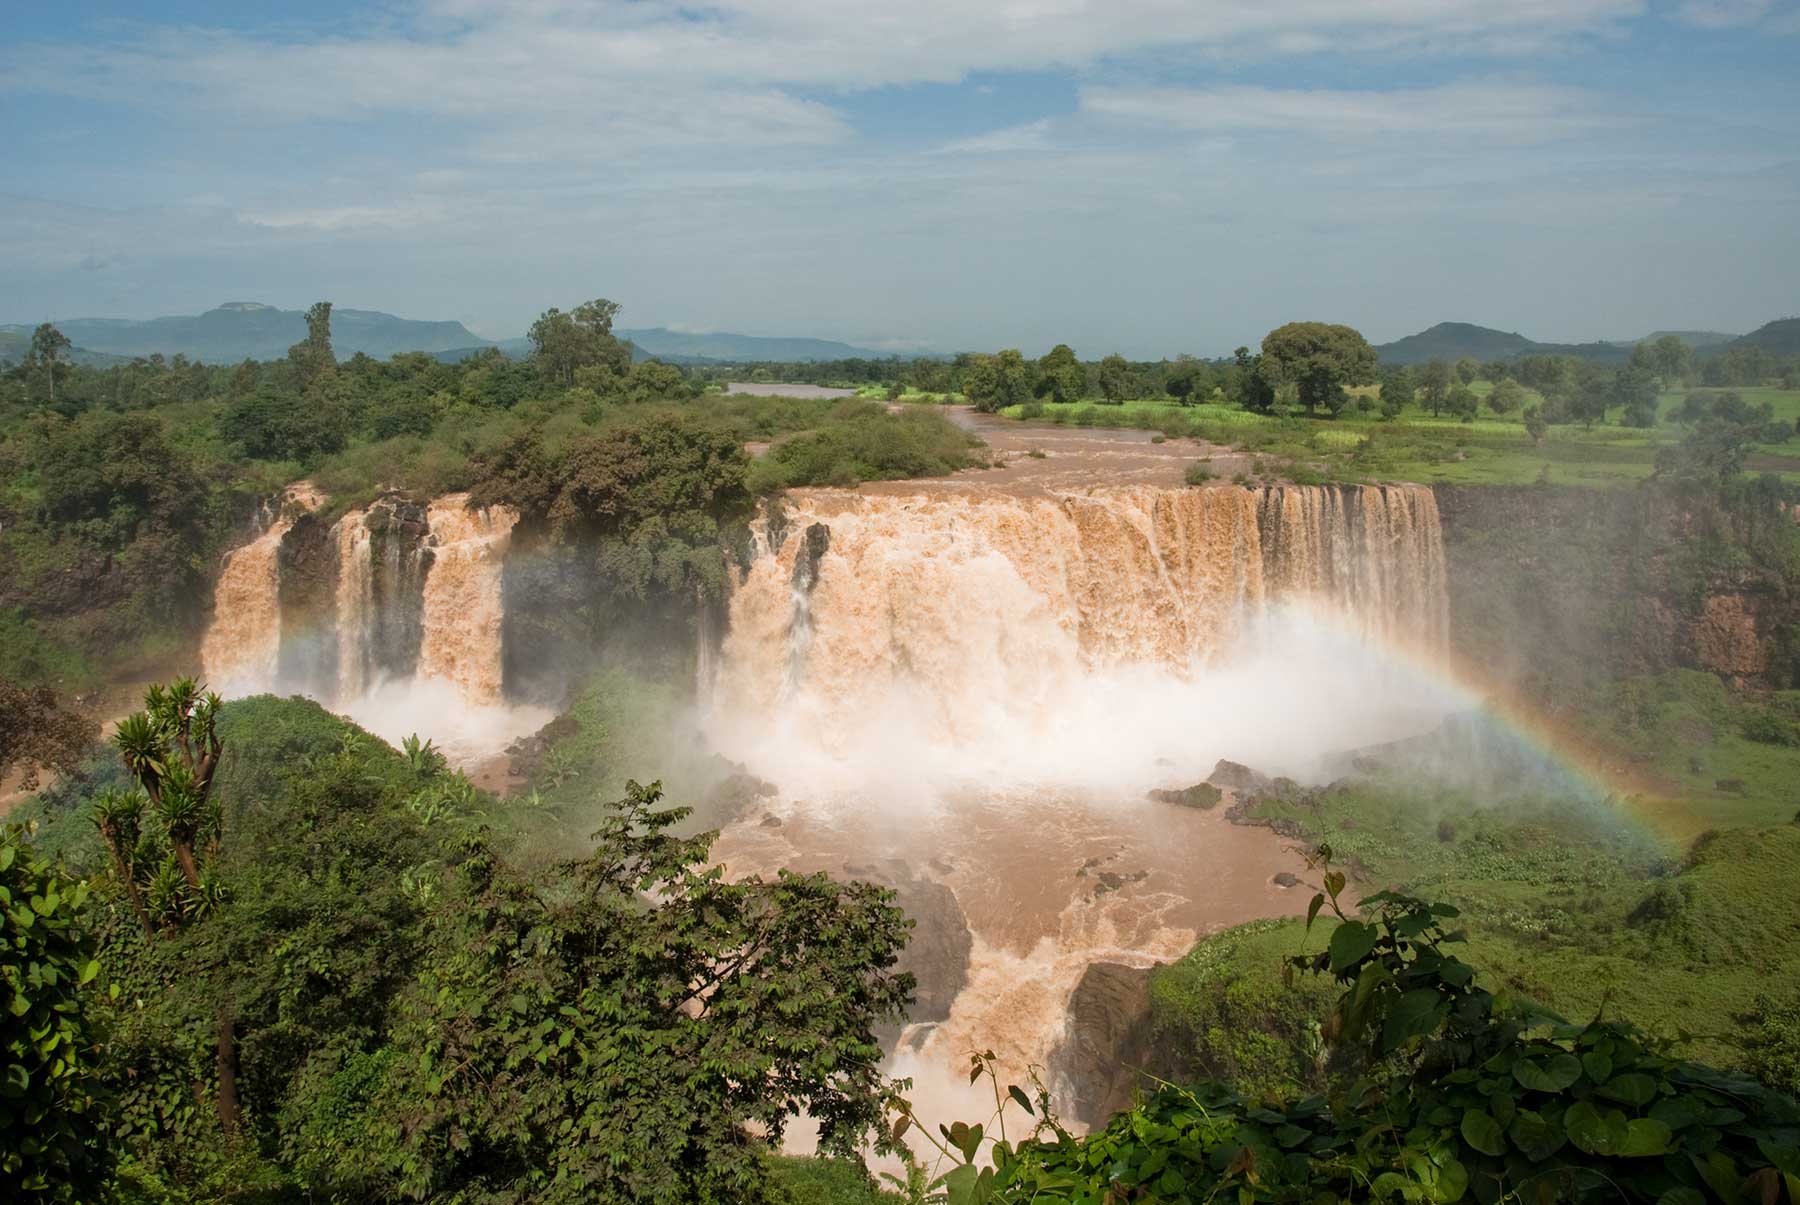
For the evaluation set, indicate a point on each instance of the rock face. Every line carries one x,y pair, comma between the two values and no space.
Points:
1727,639
813,544
1107,1046
937,953
1551,583
307,590
399,559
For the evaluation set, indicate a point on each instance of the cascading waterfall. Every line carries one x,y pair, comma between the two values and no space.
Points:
988,611
242,645
461,624
392,615
983,686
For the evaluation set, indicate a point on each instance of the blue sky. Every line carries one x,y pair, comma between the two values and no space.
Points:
1147,176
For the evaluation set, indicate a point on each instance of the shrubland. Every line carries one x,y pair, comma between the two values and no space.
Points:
382,989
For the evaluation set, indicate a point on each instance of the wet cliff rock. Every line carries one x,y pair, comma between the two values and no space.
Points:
400,556
1107,1045
308,576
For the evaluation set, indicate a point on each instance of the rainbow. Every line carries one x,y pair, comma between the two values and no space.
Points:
1595,772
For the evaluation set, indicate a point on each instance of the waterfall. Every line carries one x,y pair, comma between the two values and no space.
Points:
242,645
461,613
983,688
392,615
986,607
355,605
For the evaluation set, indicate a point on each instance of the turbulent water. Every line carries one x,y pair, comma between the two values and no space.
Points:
979,689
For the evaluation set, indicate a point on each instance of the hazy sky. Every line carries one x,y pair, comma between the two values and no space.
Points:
1149,176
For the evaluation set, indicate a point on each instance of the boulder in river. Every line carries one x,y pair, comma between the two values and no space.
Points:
1202,795
1234,776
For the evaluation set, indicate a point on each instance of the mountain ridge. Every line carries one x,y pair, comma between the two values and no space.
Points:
239,330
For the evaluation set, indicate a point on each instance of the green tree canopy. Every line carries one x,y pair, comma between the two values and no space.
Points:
565,342
1117,379
1321,361
995,382
1061,376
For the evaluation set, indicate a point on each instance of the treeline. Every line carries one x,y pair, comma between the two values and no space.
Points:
121,486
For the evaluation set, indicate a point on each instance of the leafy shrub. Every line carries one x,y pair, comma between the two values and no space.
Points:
1196,474
52,1104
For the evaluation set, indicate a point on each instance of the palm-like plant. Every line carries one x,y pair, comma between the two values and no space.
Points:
171,747
119,815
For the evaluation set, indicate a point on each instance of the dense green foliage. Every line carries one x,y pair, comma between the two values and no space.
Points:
1466,1095
412,1005
53,1099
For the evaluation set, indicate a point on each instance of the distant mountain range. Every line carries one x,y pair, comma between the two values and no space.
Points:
240,330
1455,340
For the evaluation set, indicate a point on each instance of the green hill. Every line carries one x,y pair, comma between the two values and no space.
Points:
1453,341
1781,337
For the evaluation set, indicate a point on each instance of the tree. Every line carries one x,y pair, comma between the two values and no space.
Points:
562,343
276,423
1397,390
172,748
1462,402
1249,382
1320,360
1496,371
1061,376
1117,379
994,382
1434,386
47,347
53,1109
1536,424
1467,369
639,1030
1189,380
1634,388
1506,396
1587,394
312,357
1669,359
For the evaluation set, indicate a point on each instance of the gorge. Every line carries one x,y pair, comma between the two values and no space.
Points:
971,692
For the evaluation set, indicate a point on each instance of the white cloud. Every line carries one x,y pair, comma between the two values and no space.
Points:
1723,14
1504,111
1032,136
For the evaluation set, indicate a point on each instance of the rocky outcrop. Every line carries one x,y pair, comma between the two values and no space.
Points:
1237,778
307,591
1107,1046
937,952
1202,795
813,544
1728,638
400,557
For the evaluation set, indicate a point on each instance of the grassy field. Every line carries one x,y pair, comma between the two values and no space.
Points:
1360,446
